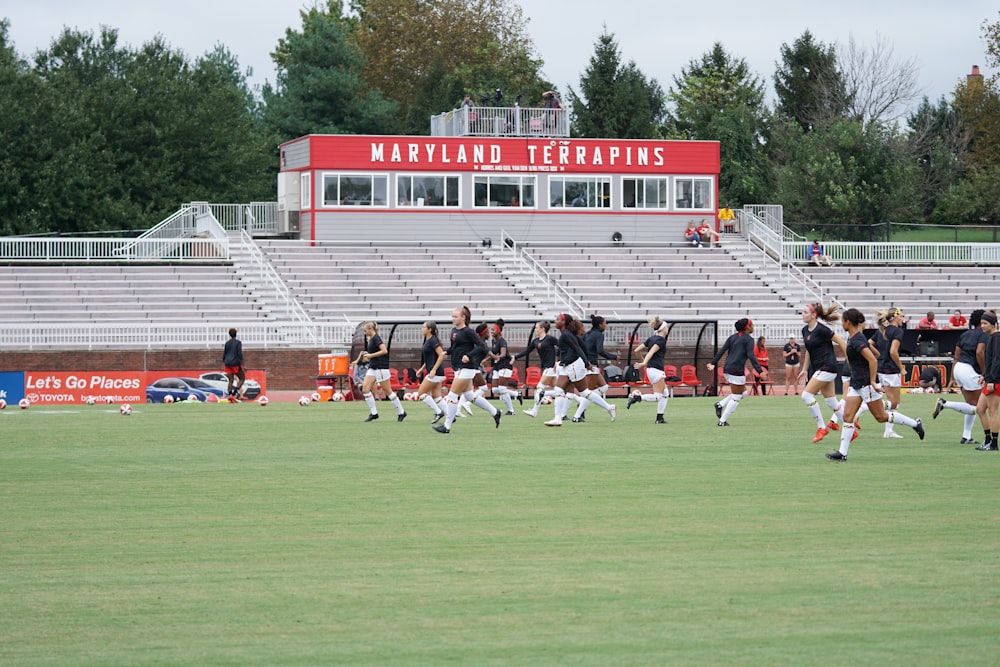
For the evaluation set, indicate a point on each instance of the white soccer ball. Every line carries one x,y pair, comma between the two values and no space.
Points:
3,404
546,400
316,398
168,399
24,404
125,409
193,398
304,401
338,396
90,400
637,393
262,400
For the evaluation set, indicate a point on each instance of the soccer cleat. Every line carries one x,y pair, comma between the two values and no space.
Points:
968,441
718,411
578,420
832,426
987,447
938,407
520,399
837,456
496,418
919,428
438,417
613,411
660,420
371,418
468,408
510,412
554,422
401,417
723,424
820,434
441,428
893,435
632,400
531,413
854,436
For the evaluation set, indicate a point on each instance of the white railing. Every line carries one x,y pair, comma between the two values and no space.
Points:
88,335
764,237
71,249
849,252
254,218
268,278
513,121
541,280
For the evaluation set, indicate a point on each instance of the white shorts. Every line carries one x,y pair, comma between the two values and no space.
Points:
550,372
824,376
867,393
505,373
466,373
966,377
655,375
380,374
576,371
594,371
435,379
890,379
738,380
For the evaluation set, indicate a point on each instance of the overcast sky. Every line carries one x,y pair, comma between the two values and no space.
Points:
944,38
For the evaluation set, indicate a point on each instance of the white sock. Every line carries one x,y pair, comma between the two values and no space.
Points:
813,405
969,422
731,408
900,418
370,401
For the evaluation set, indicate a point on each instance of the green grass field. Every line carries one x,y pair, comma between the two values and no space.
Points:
240,535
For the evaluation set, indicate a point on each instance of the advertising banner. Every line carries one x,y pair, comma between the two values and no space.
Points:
75,387
12,387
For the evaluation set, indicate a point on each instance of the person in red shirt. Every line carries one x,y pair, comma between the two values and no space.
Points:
958,321
928,322
708,234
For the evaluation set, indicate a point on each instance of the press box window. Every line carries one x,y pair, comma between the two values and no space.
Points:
693,194
427,191
644,193
355,190
498,191
580,192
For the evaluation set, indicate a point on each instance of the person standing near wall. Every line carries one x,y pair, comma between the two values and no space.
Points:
232,360
791,353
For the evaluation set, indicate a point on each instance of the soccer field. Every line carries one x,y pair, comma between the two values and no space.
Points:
286,535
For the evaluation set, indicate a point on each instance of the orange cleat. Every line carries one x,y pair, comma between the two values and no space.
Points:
832,426
820,434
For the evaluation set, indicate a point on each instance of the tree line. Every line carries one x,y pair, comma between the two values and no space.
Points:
101,137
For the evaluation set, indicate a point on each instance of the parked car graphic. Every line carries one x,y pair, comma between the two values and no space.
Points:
180,389
251,388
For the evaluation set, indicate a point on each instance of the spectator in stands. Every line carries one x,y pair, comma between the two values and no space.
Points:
927,322
232,360
930,379
864,387
432,355
467,351
593,345
970,355
546,346
760,351
376,355
727,219
503,370
571,382
957,320
821,365
738,349
817,255
467,102
691,234
652,352
708,234
887,340
791,353
989,400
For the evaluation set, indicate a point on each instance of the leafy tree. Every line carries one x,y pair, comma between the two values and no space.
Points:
809,88
718,98
939,142
974,200
618,101
424,54
319,89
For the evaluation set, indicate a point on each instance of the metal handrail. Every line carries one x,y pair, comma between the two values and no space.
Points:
71,249
554,292
515,121
269,276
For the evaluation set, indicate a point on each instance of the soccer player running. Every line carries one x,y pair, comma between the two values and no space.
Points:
864,386
739,347
503,370
653,350
593,345
820,362
890,367
232,360
546,345
572,375
376,355
970,356
467,351
432,355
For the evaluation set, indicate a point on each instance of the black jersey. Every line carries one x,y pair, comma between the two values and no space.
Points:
466,342
793,358
656,361
740,349
991,374
500,350
570,349
968,342
546,349
428,353
883,343
374,345
819,345
593,345
861,373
